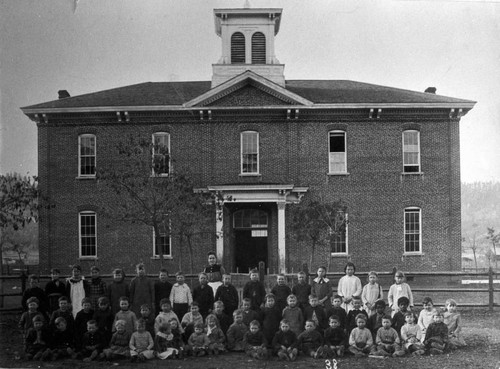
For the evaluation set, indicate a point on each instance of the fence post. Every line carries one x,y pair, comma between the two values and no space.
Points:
490,288
24,277
262,271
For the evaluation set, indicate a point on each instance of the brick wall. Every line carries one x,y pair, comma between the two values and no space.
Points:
291,152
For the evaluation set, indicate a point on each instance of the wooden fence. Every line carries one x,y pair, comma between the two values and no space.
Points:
423,283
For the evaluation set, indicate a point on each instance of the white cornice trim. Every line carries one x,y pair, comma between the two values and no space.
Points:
131,108
245,78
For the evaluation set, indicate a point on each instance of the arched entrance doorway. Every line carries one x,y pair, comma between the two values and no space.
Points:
250,228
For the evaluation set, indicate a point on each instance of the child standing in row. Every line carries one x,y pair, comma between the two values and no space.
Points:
162,289
54,289
228,295
97,287
349,286
180,296
271,317
321,288
203,295
116,289
371,293
302,290
77,288
281,291
141,290
397,290
254,290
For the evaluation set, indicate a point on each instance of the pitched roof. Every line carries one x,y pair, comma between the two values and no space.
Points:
178,93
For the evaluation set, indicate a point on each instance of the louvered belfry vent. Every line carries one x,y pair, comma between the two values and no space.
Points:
258,48
237,48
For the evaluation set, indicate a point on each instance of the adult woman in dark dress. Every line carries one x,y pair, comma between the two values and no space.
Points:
214,271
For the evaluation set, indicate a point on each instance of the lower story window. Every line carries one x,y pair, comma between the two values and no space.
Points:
160,244
338,241
88,234
413,230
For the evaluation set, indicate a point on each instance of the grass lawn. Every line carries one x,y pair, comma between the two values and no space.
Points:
481,332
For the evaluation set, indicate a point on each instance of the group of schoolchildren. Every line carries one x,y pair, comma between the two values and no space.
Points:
147,319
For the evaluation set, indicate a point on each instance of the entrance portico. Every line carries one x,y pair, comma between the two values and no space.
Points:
258,194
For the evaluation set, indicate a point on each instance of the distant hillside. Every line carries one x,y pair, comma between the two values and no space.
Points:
480,210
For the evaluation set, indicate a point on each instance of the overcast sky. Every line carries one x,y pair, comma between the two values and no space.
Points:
453,45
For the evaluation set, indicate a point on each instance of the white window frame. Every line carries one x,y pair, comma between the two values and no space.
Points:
242,153
85,157
157,256
346,240
413,210
153,137
81,235
411,149
331,154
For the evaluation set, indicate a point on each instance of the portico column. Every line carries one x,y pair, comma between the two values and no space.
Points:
219,223
281,237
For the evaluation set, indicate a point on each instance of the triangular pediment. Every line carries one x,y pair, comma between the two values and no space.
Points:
248,89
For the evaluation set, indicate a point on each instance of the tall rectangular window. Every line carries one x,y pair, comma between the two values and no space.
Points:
161,153
411,151
338,242
88,234
86,155
162,244
413,230
337,152
249,152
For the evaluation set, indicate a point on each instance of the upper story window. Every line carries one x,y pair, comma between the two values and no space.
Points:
86,155
87,222
161,244
411,151
258,48
249,152
161,153
413,230
338,243
337,152
237,48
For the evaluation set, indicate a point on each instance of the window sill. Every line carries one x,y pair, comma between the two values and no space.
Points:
163,175
250,175
166,257
88,258
412,173
339,174
338,255
85,178
413,254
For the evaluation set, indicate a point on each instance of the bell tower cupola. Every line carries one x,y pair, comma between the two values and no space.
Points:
247,44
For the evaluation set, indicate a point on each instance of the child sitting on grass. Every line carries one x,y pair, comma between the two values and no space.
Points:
436,336
284,342
411,335
164,342
198,341
92,342
387,340
255,342
215,335
335,339
141,343
360,339
119,344
453,321
310,342
37,340
63,342
426,314
236,332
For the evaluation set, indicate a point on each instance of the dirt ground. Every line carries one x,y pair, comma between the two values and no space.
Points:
481,333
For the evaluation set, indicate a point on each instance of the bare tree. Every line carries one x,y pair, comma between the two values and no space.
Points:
495,240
